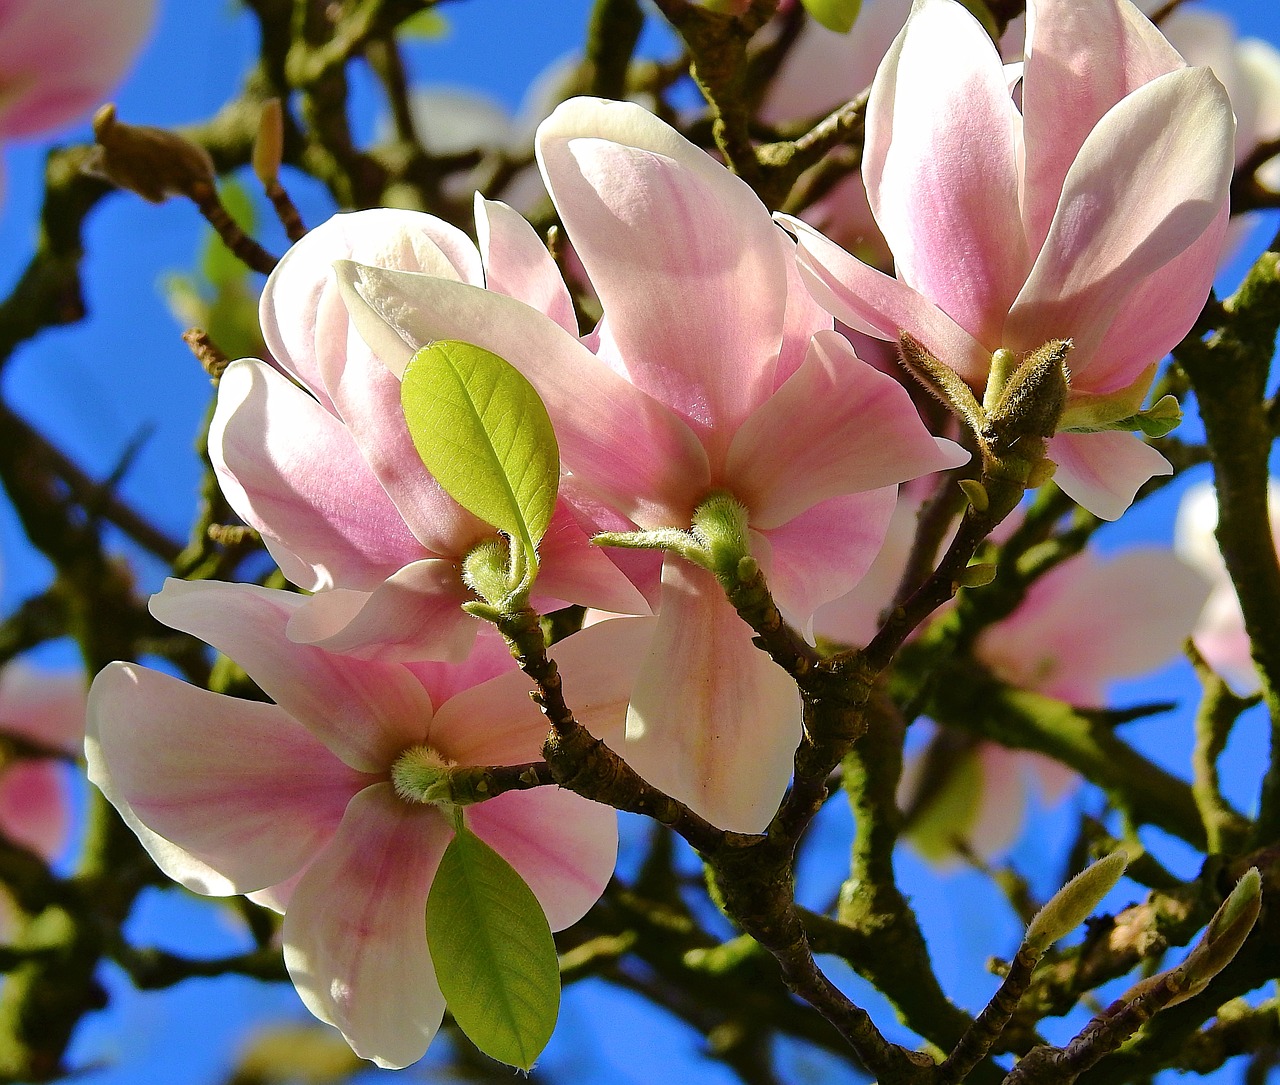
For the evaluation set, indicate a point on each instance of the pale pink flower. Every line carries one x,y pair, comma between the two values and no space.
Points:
58,61
46,708
1094,212
712,370
1089,622
326,470
292,803
1219,634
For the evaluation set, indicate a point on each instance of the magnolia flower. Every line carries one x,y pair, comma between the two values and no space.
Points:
711,371
292,802
58,61
1095,212
1089,622
326,470
1219,634
45,709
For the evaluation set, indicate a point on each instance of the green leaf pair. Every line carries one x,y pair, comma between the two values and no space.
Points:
494,956
484,434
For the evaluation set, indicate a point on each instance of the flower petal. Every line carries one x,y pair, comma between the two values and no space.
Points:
1102,471
876,304
713,721
572,570
516,263
366,396
366,713
1151,178
688,267
1093,620
941,167
323,524
563,846
496,722
355,940
228,796
821,554
35,809
836,427
1066,90
46,707
415,614
296,324
614,438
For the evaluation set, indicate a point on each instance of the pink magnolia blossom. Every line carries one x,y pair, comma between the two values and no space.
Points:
58,61
292,802
711,371
326,470
1094,212
1219,634
45,708
1087,623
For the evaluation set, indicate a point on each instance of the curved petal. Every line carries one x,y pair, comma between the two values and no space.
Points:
562,845
516,263
1102,471
803,319
713,721
228,796
681,253
366,396
415,614
291,470
297,328
1066,89
1156,314
941,167
496,722
1150,179
366,713
61,60
35,810
46,707
876,304
838,426
572,570
614,438
822,553
355,939
1092,620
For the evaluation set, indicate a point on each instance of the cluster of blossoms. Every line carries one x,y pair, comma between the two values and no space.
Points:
1093,213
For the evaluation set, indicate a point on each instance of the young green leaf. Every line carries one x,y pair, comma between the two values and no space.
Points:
837,15
482,431
494,956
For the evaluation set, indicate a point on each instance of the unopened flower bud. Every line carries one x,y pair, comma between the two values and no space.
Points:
1071,905
1032,402
1223,937
153,162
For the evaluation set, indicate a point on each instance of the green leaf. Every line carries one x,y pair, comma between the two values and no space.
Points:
837,15
494,956
427,25
482,431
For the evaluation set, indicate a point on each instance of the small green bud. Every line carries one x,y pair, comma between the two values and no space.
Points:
1033,399
420,774
1071,905
720,523
268,147
943,381
976,493
485,570
1042,472
1004,363
1223,937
